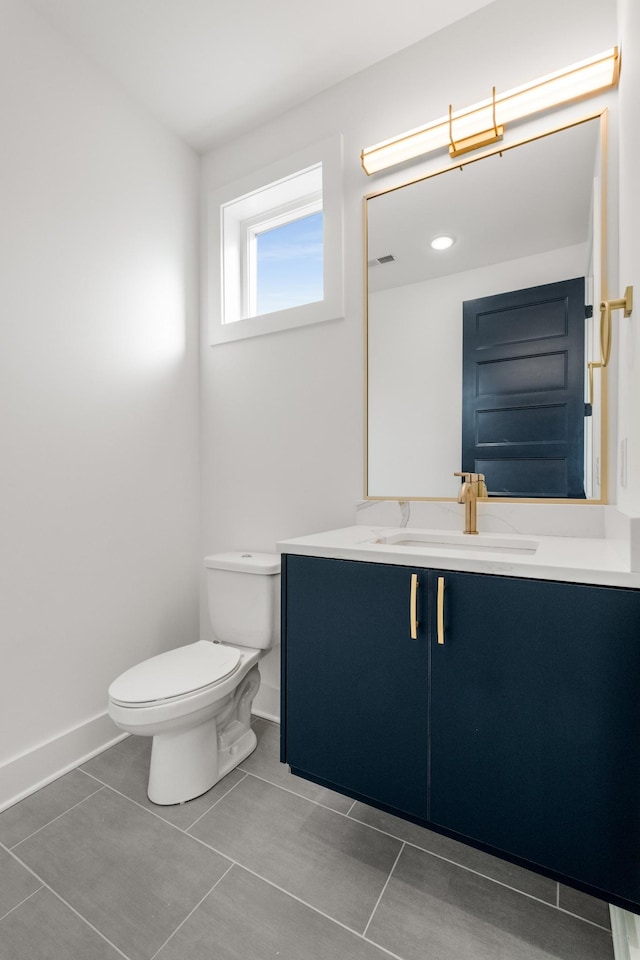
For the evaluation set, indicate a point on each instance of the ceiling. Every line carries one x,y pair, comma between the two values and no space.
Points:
529,200
212,69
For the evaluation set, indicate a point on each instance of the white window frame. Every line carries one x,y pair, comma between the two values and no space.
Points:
247,205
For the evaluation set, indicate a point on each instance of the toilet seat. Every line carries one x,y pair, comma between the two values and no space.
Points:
175,674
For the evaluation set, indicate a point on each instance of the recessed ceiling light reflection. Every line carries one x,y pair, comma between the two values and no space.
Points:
442,243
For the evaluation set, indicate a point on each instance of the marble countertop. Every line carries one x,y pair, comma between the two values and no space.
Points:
573,559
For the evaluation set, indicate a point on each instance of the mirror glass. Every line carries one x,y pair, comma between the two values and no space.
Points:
478,355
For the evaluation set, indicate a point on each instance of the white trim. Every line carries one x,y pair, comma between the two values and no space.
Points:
267,703
22,775
625,928
221,283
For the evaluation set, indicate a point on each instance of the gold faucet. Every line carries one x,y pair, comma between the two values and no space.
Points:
472,488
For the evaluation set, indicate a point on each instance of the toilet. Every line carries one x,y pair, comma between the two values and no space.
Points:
195,701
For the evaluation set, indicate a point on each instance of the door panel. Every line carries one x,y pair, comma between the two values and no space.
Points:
523,366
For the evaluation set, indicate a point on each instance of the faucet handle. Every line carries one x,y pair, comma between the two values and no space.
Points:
471,477
478,478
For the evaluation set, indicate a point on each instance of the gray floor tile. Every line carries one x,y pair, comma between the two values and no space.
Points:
265,762
434,909
43,928
488,866
585,906
16,883
40,808
125,767
245,918
129,874
335,864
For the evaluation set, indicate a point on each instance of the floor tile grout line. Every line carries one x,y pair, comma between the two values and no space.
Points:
405,843
462,866
301,796
395,863
225,794
439,856
191,912
159,816
48,887
317,910
454,863
225,856
591,923
378,946
54,819
18,905
393,836
173,826
310,906
408,843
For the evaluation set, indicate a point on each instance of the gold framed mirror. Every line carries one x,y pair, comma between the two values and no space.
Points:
464,372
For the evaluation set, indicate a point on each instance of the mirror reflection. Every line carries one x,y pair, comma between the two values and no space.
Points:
479,333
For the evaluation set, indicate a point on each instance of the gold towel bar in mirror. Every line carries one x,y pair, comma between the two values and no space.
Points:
622,303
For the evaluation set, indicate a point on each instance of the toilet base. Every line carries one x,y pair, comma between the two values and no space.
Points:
188,761
184,765
231,756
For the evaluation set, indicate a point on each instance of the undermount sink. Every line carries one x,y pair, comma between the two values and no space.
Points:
439,540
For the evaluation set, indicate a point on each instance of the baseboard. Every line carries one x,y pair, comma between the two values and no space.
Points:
267,703
265,715
625,928
35,768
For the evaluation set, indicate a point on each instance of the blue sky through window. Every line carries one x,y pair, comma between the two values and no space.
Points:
289,264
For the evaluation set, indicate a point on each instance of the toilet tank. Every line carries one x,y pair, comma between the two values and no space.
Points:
243,593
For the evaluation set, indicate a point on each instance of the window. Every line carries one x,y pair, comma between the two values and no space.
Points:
278,248
286,263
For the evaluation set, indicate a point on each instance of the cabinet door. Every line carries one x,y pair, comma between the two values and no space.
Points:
535,725
355,703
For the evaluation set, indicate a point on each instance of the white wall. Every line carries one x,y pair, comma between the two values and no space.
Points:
98,395
282,415
629,332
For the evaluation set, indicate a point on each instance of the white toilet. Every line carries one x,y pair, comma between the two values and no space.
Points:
195,701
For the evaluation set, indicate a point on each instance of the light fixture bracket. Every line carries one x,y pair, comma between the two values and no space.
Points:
477,140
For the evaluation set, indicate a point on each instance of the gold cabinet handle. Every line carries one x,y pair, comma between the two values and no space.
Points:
441,610
413,606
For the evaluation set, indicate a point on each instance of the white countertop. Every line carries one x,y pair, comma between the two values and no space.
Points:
574,559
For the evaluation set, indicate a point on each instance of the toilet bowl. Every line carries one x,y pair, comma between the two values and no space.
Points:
195,701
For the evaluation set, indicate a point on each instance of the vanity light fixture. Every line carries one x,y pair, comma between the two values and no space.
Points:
443,242
484,122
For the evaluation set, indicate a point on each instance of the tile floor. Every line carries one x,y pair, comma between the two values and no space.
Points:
263,866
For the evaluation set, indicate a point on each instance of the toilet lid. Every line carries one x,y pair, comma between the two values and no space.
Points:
175,673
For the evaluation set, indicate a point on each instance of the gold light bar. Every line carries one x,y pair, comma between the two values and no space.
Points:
482,123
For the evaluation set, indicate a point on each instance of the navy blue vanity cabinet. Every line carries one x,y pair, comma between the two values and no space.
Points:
354,682
511,722
535,725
